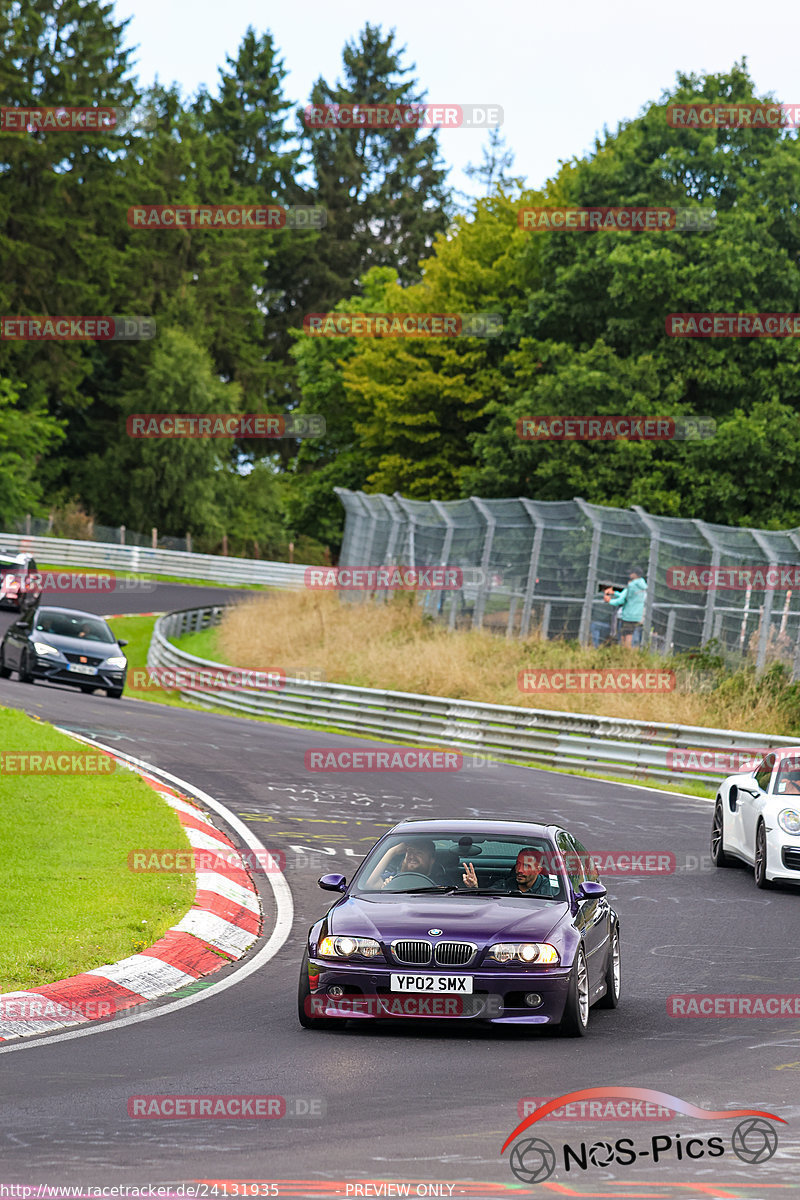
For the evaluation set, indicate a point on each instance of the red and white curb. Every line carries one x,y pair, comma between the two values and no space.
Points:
222,924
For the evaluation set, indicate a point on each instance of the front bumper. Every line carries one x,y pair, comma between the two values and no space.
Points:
498,996
52,671
783,855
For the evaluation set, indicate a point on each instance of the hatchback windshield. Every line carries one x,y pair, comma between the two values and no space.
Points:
463,864
73,625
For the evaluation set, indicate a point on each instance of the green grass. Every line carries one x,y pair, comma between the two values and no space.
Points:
68,901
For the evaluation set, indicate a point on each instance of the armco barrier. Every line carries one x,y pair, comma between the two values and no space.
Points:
107,556
635,749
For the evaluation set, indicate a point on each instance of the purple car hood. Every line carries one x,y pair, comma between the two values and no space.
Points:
481,919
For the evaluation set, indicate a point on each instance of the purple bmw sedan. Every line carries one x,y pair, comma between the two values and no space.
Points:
497,921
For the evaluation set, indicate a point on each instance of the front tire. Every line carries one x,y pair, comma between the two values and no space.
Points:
613,978
718,855
4,670
303,996
24,671
760,866
114,693
575,1020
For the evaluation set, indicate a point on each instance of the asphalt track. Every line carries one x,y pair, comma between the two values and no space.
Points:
423,1103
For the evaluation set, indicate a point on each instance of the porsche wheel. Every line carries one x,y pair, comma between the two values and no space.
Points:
718,855
575,1020
760,867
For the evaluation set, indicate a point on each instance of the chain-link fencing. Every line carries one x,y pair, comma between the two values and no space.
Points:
542,566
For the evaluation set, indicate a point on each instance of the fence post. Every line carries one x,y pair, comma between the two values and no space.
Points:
652,568
28,524
591,575
448,542
394,533
766,611
188,542
154,538
122,535
533,566
485,585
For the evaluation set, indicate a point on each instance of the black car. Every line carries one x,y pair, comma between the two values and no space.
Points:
61,645
20,583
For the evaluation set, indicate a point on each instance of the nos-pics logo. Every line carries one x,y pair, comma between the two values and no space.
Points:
532,1159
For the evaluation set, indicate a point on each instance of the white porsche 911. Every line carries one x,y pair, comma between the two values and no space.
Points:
757,819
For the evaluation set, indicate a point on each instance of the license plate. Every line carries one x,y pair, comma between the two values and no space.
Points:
81,670
438,984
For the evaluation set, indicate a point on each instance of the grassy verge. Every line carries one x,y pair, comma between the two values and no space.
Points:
68,901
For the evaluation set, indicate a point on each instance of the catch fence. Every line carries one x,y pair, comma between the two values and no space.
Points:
538,565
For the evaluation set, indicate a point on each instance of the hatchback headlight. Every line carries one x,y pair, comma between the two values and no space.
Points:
789,819
542,954
43,649
119,662
349,947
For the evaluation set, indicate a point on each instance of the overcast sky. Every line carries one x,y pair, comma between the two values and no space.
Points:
561,72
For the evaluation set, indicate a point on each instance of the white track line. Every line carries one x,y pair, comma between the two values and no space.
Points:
283,919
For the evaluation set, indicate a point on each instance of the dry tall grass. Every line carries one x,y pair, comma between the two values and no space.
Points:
393,646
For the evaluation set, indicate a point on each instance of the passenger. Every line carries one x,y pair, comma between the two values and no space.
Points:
527,878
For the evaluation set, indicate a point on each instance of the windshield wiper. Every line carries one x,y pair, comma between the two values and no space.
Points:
439,888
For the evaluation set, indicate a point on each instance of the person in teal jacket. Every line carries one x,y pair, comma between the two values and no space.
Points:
630,602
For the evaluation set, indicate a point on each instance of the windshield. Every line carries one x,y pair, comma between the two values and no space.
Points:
462,864
74,625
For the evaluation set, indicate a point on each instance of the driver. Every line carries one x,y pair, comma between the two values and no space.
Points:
419,855
789,783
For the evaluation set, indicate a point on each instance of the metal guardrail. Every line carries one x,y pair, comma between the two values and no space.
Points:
108,556
538,737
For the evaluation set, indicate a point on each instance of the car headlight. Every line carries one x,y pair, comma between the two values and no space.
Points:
43,649
789,819
349,947
118,662
540,953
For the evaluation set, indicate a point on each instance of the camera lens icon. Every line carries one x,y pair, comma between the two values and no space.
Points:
533,1160
754,1140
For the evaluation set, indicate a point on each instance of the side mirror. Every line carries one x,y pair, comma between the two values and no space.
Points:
332,883
589,890
750,787
121,642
